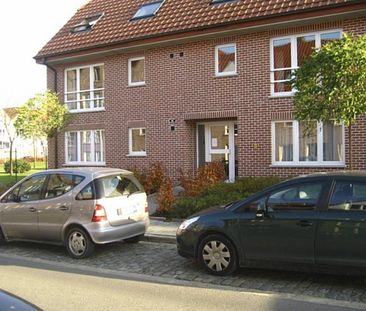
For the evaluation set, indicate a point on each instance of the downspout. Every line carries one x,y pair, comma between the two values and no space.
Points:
55,90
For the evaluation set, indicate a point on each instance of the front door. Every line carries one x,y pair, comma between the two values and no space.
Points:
216,142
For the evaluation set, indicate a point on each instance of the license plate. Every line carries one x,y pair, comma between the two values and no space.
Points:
126,210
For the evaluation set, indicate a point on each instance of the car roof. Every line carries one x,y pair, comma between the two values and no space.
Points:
87,171
349,173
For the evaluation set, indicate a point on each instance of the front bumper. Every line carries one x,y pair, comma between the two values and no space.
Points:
186,243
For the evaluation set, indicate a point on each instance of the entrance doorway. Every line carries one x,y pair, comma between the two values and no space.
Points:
216,142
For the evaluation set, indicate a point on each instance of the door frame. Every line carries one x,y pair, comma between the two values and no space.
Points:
208,151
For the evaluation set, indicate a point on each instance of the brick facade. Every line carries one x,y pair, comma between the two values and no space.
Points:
181,85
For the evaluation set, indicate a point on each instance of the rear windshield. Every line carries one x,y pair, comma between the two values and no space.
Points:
117,186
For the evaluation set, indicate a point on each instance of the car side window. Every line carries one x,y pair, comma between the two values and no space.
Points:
31,189
295,197
11,196
59,184
348,196
87,193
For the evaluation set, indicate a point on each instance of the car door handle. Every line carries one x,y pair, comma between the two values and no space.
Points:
304,223
32,209
63,208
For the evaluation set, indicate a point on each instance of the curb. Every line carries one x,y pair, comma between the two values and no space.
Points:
159,238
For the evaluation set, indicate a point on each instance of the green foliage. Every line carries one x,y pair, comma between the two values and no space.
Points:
41,116
217,195
331,84
19,166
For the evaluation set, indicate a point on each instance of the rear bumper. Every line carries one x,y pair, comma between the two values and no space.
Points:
105,233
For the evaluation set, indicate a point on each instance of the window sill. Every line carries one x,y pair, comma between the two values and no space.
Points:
226,75
301,165
137,84
84,164
86,110
139,155
281,95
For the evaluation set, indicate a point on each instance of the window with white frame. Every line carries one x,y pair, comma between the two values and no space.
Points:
84,88
85,147
288,53
137,141
136,71
225,60
319,143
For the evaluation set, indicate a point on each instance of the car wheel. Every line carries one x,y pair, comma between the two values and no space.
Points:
2,238
217,255
134,239
78,243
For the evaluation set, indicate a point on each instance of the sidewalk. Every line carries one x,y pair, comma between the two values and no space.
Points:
161,231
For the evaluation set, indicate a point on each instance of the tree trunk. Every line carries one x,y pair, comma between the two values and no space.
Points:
350,146
11,158
34,153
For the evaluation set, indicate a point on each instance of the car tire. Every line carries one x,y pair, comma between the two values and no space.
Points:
217,255
78,243
134,239
2,238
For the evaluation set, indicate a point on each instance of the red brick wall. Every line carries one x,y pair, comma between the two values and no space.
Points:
187,84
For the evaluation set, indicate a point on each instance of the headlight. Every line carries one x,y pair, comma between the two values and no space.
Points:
185,224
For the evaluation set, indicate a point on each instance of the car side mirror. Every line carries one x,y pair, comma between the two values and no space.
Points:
261,209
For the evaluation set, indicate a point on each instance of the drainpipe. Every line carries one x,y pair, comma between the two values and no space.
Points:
55,90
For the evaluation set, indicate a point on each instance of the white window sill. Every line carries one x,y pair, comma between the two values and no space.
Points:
84,164
136,155
234,74
281,95
137,84
86,110
325,165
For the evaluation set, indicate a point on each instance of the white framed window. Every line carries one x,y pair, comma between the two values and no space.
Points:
225,60
321,145
84,88
288,53
137,141
136,71
85,147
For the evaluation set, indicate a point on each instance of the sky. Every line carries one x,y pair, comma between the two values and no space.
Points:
25,27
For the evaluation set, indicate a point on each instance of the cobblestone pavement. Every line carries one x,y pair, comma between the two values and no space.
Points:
160,259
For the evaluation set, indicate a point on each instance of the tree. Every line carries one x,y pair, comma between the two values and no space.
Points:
331,85
7,118
41,117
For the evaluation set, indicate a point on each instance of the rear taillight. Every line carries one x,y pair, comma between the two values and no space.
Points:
99,214
146,207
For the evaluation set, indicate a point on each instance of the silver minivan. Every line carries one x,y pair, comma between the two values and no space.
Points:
77,207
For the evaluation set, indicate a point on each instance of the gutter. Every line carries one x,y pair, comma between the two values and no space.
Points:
55,90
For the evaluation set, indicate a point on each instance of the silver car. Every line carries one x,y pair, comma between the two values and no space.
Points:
77,207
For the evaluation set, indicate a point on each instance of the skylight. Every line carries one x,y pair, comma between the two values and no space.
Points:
87,23
148,10
220,1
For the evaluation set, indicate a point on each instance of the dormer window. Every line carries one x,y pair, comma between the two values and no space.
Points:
86,24
148,10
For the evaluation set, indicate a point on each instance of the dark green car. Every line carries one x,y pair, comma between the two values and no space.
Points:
313,221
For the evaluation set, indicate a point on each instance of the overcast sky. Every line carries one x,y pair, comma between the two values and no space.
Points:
25,27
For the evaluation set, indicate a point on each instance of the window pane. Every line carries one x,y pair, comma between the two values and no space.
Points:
283,141
305,47
308,142
332,141
219,137
148,9
85,100
71,80
299,197
99,146
326,37
98,99
282,53
84,79
138,140
72,152
58,184
85,138
226,59
98,77
349,196
137,70
116,186
31,189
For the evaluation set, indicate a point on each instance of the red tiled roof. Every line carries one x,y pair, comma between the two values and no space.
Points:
116,25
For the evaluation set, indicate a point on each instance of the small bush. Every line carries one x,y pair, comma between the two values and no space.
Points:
155,177
165,196
19,166
208,176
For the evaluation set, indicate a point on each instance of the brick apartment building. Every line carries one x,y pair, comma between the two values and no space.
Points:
186,82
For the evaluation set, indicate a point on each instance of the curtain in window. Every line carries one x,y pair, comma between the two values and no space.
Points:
308,142
332,141
284,141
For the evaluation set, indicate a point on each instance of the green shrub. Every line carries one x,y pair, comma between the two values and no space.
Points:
19,166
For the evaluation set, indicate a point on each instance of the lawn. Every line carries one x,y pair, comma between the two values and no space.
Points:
6,180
